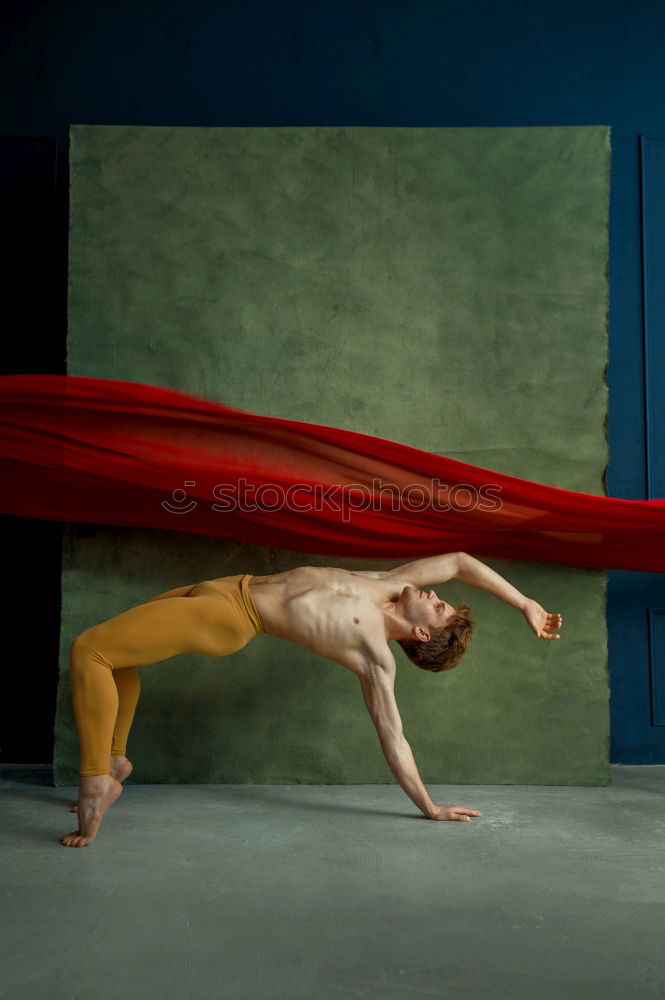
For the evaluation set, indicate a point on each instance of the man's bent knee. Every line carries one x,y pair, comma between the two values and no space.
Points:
80,641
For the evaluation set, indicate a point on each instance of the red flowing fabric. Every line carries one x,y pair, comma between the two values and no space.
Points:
123,453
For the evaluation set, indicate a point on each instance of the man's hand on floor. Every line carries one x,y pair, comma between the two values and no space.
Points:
453,813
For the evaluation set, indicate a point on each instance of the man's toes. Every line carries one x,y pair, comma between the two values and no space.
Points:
74,841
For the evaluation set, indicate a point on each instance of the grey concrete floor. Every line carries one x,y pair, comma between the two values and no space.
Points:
332,892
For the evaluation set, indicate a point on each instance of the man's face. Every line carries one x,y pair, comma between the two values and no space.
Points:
425,608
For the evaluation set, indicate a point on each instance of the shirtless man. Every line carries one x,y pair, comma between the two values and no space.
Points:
348,616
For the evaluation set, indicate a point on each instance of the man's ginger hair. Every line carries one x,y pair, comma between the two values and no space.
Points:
447,644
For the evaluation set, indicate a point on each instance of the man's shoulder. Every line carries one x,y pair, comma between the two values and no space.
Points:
369,656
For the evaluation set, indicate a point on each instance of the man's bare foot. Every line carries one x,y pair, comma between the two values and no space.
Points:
121,767
96,793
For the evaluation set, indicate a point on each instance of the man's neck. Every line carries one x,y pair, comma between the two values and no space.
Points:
394,624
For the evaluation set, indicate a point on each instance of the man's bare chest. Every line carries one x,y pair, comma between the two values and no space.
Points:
334,622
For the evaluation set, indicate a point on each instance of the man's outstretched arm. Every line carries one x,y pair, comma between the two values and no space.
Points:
473,571
543,623
431,569
377,683
459,566
467,569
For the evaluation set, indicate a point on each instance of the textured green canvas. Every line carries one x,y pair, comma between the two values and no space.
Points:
441,287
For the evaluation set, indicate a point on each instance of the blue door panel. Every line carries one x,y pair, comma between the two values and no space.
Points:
636,601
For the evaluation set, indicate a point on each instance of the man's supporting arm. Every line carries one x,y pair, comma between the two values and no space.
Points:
377,685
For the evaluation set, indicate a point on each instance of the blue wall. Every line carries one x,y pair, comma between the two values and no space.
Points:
365,62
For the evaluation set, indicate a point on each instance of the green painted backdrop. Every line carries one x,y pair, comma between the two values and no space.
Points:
441,287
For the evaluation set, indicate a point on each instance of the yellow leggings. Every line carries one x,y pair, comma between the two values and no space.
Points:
213,618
